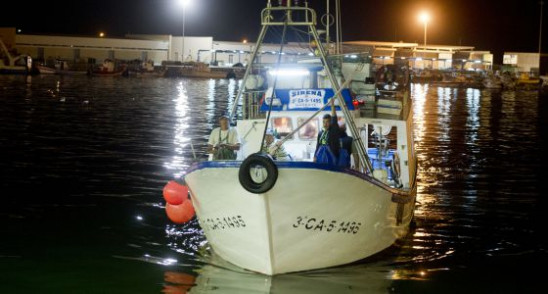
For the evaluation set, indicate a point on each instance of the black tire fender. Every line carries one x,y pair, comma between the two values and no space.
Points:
263,160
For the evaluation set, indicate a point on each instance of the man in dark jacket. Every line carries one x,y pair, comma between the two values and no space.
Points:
328,145
347,147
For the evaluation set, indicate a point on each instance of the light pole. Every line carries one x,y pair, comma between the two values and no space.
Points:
540,30
425,18
183,4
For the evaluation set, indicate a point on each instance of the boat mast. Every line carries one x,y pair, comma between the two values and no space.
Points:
327,25
265,17
311,22
339,26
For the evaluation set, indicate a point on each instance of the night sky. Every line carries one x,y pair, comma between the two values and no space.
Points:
493,25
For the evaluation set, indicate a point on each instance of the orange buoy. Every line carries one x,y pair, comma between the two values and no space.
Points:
181,213
175,193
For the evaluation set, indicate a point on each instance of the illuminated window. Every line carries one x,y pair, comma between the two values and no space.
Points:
310,130
282,125
510,59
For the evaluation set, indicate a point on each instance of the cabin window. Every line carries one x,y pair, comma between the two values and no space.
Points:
310,130
282,125
382,136
382,143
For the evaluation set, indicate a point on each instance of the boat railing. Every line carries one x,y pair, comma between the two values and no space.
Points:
290,15
252,104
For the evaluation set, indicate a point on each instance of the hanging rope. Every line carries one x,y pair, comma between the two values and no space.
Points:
274,85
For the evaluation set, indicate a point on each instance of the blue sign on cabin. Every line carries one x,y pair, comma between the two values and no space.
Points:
304,100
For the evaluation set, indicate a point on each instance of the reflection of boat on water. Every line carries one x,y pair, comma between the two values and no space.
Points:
297,215
219,276
348,279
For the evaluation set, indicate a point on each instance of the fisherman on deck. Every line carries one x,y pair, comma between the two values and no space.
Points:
328,145
271,146
347,147
223,141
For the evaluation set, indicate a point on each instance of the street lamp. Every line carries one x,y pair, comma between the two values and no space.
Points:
425,18
183,4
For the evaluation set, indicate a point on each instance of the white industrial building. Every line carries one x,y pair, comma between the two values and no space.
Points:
522,62
167,48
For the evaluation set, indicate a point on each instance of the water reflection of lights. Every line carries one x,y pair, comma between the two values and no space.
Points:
232,92
472,122
418,92
187,239
169,261
484,112
159,260
211,102
181,141
444,113
414,274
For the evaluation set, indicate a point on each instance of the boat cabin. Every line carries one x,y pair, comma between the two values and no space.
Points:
294,95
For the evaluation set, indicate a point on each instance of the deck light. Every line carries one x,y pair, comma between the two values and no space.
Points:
290,72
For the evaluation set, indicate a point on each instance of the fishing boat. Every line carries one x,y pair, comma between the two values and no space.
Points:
109,69
527,82
205,71
492,82
272,216
45,70
62,67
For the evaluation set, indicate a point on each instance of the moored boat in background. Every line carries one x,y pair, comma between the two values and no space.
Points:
527,82
492,81
42,69
109,69
204,70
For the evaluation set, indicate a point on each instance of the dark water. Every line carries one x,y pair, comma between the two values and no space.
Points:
84,160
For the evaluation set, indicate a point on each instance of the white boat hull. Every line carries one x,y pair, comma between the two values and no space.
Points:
303,222
46,70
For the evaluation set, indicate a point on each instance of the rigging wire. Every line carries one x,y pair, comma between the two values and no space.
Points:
274,85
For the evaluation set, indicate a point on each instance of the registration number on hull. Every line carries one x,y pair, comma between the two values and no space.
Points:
329,226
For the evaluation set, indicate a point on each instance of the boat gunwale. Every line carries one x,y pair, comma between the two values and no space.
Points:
305,165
